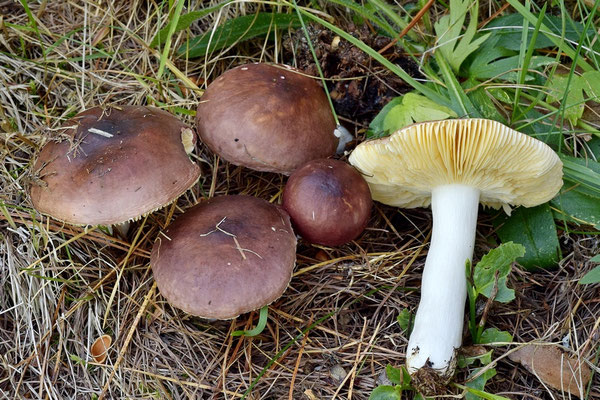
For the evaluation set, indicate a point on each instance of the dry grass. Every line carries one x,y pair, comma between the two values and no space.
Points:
62,287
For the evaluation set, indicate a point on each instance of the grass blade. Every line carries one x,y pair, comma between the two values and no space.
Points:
184,22
165,52
459,100
560,43
236,30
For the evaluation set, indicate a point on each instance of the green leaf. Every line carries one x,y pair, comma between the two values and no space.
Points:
236,30
595,259
405,110
509,29
585,173
386,393
506,68
454,46
592,276
576,206
405,319
482,96
414,108
480,394
484,359
376,129
478,384
185,21
394,374
554,35
541,129
579,198
497,262
534,228
574,102
592,84
493,335
574,88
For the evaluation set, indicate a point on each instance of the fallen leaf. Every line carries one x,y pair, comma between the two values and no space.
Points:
99,348
554,367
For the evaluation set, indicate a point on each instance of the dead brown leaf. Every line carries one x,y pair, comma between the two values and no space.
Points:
554,367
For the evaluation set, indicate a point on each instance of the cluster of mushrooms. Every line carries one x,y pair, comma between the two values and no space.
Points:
233,254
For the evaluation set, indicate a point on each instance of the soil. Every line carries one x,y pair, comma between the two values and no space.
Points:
358,85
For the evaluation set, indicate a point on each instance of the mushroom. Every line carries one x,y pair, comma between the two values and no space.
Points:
329,202
267,118
111,165
226,256
99,349
453,165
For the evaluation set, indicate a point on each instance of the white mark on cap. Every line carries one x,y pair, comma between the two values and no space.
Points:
100,132
244,68
282,77
273,229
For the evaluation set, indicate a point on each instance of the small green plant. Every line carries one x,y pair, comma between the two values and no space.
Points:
592,276
260,325
488,278
454,44
405,319
400,379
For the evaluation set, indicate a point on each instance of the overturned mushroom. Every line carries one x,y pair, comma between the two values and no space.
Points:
226,256
111,165
268,118
453,165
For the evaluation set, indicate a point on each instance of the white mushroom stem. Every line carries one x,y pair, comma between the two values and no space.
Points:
344,136
438,327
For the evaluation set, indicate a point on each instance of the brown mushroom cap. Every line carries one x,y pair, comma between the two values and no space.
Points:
113,165
266,117
329,202
225,256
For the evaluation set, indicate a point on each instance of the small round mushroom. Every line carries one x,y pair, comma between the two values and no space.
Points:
226,256
329,202
267,118
111,165
453,165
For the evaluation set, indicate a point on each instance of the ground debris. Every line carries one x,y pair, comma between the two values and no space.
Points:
359,87
554,367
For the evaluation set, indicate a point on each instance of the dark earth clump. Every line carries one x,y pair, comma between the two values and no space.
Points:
359,86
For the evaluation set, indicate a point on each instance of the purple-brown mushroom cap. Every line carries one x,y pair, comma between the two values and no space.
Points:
111,165
329,202
225,256
267,118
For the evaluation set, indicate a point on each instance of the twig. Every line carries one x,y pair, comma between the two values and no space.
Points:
494,15
408,27
297,366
